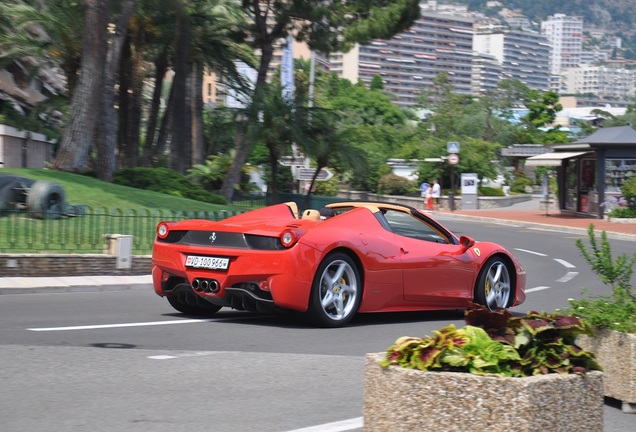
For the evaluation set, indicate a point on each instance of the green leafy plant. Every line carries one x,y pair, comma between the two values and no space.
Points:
497,343
616,311
629,192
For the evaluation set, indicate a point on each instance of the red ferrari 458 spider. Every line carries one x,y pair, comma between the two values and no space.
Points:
348,258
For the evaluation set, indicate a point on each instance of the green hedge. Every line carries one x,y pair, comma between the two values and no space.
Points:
166,181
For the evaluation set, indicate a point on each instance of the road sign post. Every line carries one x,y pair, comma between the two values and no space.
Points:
308,174
453,159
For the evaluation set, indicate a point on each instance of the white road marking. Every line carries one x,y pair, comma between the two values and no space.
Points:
530,252
183,355
341,426
564,263
539,288
569,276
105,326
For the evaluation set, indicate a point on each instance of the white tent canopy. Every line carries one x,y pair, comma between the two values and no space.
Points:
552,159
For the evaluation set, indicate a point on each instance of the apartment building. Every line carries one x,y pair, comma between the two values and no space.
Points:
601,81
438,42
522,54
565,35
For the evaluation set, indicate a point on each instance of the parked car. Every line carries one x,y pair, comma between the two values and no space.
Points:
348,258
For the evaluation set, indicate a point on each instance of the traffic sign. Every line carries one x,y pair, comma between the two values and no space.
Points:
308,174
453,159
291,161
452,147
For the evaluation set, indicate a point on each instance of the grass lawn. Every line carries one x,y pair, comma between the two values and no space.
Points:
82,190
109,209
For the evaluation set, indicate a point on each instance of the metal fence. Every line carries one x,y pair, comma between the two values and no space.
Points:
86,230
82,229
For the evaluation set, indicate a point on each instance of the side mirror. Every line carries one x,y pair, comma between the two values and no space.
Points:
466,243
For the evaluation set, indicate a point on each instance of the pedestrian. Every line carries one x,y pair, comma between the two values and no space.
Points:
425,191
436,192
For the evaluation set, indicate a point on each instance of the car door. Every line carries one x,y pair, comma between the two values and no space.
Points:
435,271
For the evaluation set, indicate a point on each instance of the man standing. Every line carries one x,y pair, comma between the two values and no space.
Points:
436,192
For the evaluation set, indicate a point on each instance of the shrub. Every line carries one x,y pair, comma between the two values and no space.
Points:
393,184
616,311
487,191
629,192
498,343
520,183
622,212
166,181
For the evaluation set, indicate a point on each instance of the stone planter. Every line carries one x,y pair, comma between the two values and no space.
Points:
399,399
616,353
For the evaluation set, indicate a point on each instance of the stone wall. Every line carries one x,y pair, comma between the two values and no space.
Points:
51,265
444,201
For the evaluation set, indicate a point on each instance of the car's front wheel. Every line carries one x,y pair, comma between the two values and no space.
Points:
494,287
336,291
191,304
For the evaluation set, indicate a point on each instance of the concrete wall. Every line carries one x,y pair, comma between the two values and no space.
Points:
51,265
418,202
23,149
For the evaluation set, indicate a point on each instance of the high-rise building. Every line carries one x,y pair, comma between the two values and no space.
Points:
438,42
522,54
565,34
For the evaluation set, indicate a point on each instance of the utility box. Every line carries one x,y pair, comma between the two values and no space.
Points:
470,199
120,245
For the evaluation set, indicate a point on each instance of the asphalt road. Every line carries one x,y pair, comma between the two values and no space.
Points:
113,361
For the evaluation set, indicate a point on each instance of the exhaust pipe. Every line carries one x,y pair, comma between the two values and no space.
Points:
214,286
196,285
206,285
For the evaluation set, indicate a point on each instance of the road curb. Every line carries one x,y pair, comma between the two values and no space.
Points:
546,226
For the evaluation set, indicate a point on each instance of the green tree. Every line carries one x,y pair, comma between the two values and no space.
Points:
326,27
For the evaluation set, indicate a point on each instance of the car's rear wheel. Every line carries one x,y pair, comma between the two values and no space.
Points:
336,291
494,287
191,304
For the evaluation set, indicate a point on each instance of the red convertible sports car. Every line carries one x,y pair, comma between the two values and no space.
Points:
347,258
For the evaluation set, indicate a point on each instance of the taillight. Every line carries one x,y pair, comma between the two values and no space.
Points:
290,237
163,229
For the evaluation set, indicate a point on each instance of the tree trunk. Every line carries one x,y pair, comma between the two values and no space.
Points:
79,133
125,80
273,186
161,64
106,136
242,144
134,108
166,129
198,144
181,145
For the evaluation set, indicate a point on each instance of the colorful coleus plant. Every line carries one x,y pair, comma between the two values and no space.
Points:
498,343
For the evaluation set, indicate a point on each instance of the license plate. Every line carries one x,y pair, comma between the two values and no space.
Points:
212,263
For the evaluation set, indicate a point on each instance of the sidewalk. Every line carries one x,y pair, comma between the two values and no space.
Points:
24,285
528,214
531,213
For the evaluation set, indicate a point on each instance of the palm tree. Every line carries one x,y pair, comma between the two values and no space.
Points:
85,106
326,27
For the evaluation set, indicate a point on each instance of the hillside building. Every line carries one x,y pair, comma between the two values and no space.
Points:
565,35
